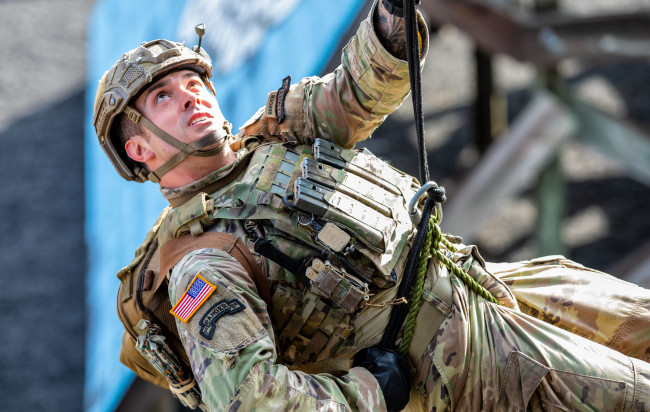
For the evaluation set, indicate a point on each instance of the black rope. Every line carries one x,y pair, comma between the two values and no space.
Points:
413,56
399,312
435,195
438,194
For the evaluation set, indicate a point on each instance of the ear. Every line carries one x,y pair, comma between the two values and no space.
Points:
138,149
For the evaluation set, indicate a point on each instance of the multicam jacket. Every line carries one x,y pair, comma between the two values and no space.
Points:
524,355
237,368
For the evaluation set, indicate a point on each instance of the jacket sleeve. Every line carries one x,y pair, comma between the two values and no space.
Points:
232,351
345,106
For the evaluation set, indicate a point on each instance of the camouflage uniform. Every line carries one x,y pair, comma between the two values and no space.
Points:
237,369
483,357
489,357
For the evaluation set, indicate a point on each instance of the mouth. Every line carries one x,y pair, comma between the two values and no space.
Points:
199,119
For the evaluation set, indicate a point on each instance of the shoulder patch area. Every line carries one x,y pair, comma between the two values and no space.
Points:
225,322
223,307
282,95
198,291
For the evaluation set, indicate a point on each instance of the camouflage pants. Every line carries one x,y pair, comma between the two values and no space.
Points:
583,301
563,350
566,338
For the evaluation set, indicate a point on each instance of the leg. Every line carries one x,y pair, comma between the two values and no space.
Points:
485,356
583,301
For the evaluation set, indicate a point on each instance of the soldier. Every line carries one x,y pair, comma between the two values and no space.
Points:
278,344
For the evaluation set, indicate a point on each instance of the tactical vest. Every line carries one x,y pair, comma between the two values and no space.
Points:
346,209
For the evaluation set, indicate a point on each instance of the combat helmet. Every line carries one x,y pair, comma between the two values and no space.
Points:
123,83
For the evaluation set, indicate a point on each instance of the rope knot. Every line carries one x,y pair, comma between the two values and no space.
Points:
438,194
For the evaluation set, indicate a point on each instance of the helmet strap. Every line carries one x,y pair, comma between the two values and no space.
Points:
185,150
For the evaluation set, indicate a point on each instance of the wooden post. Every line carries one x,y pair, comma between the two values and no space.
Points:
490,107
551,207
513,161
551,187
483,105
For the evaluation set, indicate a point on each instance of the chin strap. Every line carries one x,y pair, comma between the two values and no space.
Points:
185,150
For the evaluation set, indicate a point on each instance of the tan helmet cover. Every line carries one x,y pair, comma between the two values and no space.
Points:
127,78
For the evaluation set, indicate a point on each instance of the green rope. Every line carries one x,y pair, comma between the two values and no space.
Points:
462,275
432,243
416,295
448,244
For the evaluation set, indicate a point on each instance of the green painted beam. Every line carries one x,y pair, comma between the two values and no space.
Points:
551,209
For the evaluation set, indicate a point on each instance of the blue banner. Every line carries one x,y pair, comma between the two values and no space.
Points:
254,44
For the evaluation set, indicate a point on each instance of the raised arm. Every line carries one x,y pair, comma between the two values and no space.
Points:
348,105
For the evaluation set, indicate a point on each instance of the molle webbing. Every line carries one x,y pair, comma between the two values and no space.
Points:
125,275
212,187
325,281
175,249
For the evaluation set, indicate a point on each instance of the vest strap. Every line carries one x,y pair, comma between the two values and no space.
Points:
183,387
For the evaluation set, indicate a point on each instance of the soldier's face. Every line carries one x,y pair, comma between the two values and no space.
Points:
182,106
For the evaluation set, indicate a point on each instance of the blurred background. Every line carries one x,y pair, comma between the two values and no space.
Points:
537,119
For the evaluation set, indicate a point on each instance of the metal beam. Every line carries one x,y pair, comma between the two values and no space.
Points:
635,267
546,39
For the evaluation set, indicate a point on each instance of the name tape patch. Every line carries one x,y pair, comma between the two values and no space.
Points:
219,309
270,110
195,295
282,95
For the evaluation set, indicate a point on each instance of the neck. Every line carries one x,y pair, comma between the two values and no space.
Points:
195,168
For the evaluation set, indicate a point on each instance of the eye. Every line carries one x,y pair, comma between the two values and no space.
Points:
194,85
160,97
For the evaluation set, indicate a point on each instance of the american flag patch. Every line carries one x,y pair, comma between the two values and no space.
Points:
197,292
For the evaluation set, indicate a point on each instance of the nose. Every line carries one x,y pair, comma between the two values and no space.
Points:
190,99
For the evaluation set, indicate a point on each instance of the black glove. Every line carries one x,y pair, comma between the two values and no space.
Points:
392,373
396,7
